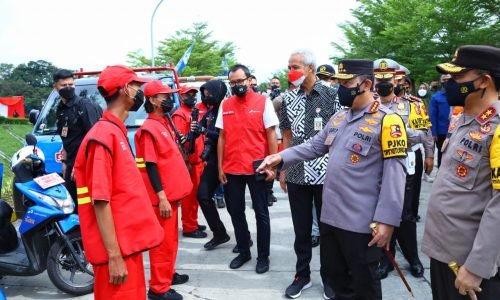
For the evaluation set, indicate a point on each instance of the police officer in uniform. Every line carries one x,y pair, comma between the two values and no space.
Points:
75,117
415,117
366,143
464,206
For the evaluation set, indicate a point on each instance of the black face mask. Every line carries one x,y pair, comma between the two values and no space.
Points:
239,90
274,87
398,89
347,95
67,92
255,89
138,101
384,88
190,102
210,100
167,105
457,92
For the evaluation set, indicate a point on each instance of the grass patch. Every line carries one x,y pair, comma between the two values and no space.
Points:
9,144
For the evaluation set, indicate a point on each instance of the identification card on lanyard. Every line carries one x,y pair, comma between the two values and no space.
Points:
64,131
318,121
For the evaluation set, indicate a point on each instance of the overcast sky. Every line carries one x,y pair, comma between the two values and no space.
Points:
92,34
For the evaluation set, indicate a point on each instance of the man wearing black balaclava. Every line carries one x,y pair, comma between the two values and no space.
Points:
75,117
212,93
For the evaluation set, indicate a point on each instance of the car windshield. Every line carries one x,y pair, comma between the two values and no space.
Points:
46,122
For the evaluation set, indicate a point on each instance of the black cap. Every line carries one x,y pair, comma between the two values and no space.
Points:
468,57
325,70
350,68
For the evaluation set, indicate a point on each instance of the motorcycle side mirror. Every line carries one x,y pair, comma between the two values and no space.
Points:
30,139
33,116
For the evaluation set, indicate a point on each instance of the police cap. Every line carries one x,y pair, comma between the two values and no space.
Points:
350,68
468,57
327,70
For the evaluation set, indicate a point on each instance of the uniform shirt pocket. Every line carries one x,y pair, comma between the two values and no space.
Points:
464,167
356,152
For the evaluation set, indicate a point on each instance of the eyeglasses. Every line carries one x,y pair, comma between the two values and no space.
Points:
237,81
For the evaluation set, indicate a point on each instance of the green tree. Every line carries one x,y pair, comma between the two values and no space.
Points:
418,33
32,80
206,57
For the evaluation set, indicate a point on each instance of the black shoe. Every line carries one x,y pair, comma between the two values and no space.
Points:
197,234
168,295
270,202
239,261
262,265
383,270
416,269
299,284
328,292
179,278
314,241
273,198
418,218
220,202
210,245
236,250
202,227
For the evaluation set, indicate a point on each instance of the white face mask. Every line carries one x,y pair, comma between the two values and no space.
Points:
422,92
326,83
299,81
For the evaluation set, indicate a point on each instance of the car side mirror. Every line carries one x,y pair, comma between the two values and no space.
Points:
34,115
30,139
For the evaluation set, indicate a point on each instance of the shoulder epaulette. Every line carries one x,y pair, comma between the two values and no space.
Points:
486,115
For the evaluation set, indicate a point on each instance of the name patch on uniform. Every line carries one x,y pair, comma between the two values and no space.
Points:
476,147
329,140
363,137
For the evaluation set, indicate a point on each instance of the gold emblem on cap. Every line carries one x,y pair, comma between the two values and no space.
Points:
322,68
464,90
383,65
455,56
341,68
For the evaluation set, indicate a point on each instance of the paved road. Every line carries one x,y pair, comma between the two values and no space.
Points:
211,278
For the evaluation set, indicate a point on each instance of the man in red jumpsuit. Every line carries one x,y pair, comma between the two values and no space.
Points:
167,180
117,220
189,205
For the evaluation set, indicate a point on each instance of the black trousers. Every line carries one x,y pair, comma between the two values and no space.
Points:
349,264
406,234
209,182
439,144
443,284
234,192
71,185
301,199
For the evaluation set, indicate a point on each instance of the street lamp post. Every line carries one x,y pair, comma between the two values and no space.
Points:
152,43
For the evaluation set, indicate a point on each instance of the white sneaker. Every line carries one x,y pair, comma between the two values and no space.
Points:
428,178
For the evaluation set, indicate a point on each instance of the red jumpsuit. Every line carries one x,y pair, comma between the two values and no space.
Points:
189,205
154,143
105,170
